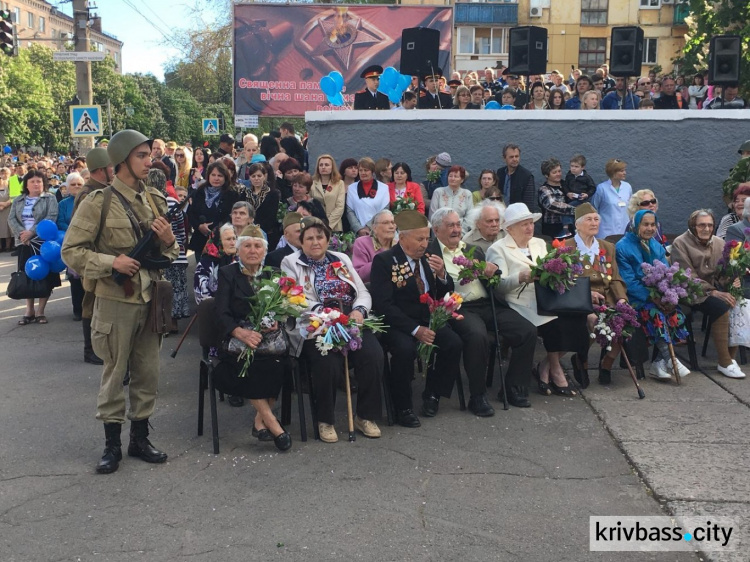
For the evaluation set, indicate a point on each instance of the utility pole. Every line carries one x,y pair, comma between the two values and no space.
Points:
84,89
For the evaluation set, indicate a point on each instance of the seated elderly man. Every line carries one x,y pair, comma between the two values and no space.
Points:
486,219
516,331
291,226
398,278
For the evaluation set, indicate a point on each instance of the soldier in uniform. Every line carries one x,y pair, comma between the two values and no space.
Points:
101,172
513,80
370,98
429,96
97,245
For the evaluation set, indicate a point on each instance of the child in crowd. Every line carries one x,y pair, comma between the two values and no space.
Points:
646,104
578,186
509,99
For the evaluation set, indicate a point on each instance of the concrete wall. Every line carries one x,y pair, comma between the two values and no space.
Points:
683,156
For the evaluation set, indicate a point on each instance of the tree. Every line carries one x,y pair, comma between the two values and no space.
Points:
708,18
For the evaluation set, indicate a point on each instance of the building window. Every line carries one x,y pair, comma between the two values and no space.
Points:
42,24
17,12
592,53
650,4
30,20
594,12
482,40
649,51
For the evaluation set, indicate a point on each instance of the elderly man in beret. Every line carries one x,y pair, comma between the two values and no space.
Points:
291,235
399,277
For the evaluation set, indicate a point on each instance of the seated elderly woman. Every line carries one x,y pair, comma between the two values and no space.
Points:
485,221
220,250
515,255
365,197
365,248
454,196
264,378
637,247
645,199
329,279
607,287
700,250
738,203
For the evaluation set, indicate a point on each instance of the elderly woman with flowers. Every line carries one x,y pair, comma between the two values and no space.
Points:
661,317
607,287
382,238
330,281
705,254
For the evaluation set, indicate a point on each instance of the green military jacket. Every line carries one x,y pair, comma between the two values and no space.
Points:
94,261
739,174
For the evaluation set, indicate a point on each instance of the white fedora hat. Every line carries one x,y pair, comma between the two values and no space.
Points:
518,212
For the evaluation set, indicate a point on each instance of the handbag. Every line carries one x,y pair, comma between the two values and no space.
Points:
739,325
576,301
272,344
160,313
21,287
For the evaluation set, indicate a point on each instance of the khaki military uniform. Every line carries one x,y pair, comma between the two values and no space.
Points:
90,186
120,329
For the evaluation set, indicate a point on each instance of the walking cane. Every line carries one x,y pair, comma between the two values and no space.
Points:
497,351
349,415
675,371
182,339
641,394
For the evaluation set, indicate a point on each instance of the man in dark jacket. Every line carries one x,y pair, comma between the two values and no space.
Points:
370,98
669,99
293,243
516,181
430,97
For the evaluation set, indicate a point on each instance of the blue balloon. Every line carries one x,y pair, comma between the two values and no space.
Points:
58,267
394,96
337,100
50,251
328,86
508,106
405,82
492,105
338,79
7,149
47,230
36,268
60,237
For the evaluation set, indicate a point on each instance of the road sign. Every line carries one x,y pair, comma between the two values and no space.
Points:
211,126
92,56
85,120
246,121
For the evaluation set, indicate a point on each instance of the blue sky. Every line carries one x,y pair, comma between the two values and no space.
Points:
145,47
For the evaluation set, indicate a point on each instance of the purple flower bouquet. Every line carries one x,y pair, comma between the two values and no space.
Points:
671,284
614,325
559,269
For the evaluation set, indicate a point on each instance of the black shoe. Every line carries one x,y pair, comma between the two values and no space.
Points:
283,442
430,404
544,388
579,372
518,396
91,357
605,376
408,418
480,406
112,456
140,446
562,390
262,434
236,401
77,317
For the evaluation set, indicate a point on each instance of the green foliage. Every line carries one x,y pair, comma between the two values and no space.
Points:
708,18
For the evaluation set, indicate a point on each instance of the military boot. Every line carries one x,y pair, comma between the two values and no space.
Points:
112,449
140,446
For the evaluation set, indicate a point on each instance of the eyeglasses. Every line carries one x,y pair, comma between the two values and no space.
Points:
495,198
646,83
704,226
179,155
647,202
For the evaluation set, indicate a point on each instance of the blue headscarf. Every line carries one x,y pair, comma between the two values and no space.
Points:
645,244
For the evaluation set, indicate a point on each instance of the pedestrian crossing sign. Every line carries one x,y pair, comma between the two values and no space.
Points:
210,126
85,120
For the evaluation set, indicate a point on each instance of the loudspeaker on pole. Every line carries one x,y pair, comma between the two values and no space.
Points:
724,60
527,52
626,51
420,47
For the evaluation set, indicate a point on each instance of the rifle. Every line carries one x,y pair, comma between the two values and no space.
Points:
146,250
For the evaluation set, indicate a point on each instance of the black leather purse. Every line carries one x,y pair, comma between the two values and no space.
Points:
576,301
21,287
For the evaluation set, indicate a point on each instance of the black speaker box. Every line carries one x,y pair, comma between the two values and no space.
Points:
626,51
419,50
724,59
527,53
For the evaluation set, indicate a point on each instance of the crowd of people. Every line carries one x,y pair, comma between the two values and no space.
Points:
239,211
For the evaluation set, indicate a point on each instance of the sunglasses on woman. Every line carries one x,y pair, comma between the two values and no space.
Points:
647,202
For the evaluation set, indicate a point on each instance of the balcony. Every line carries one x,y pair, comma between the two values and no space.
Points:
485,14
681,11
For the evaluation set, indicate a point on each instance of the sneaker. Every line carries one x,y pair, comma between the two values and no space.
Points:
681,369
368,428
327,433
732,371
658,370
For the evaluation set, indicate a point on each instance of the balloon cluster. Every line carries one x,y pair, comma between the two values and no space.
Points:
492,104
7,149
393,84
332,85
48,260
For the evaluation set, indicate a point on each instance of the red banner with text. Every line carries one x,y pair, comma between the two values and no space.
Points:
282,51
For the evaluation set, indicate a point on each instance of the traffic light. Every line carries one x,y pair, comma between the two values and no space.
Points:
7,42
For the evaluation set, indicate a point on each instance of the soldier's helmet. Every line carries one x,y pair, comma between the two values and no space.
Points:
744,147
122,144
97,158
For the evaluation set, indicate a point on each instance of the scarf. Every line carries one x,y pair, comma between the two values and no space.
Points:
256,199
592,252
645,244
212,195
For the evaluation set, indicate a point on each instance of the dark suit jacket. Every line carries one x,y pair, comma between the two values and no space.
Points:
522,187
400,305
218,214
365,100
274,258
231,302
426,101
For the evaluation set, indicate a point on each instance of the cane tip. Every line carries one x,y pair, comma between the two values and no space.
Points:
352,437
641,394
173,354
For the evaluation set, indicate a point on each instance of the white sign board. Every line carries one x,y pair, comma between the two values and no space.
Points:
246,121
85,120
78,57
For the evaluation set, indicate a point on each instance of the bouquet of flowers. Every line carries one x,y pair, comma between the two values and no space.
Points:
671,284
335,331
433,176
734,263
282,210
472,269
559,269
275,300
441,310
407,203
614,325
342,242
